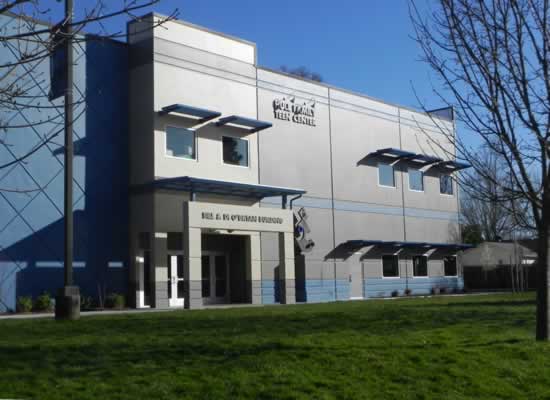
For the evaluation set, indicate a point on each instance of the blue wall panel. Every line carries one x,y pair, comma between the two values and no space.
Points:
270,292
383,287
31,224
323,290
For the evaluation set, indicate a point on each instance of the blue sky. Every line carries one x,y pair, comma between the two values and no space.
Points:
360,45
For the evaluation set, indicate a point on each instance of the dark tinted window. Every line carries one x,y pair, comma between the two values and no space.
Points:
390,266
235,151
450,266
420,266
446,184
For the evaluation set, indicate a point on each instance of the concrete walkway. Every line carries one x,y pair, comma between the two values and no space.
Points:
125,311
89,313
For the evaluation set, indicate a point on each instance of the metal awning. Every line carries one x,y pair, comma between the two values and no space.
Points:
253,125
224,188
453,165
393,153
202,114
425,160
398,154
401,244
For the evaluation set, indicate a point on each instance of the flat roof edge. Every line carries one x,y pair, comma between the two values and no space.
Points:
48,25
199,27
329,87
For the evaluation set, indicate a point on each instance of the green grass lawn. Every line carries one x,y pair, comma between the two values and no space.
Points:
478,347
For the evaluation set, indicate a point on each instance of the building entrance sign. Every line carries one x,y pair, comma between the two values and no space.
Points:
230,217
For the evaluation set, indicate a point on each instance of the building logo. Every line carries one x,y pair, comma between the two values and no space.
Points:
288,109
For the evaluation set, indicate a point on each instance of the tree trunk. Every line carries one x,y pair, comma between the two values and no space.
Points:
543,262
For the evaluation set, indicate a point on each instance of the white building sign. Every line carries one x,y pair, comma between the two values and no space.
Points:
290,109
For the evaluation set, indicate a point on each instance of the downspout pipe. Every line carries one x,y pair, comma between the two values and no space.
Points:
294,198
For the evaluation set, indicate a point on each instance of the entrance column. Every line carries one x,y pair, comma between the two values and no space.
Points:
287,278
160,290
192,266
254,274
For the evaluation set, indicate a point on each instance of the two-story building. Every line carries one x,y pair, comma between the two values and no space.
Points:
248,185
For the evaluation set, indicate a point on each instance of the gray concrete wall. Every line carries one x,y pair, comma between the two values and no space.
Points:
193,66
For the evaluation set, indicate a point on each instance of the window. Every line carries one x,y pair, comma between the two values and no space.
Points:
235,151
446,184
385,175
449,265
416,180
420,266
180,143
390,266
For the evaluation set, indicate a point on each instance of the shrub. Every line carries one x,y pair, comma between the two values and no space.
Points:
24,304
86,303
115,300
408,292
443,290
43,302
395,293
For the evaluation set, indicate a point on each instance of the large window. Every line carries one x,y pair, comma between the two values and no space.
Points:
420,266
386,176
446,184
235,151
449,265
390,266
180,142
416,180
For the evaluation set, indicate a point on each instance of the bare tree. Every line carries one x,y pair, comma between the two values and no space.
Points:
486,207
492,58
28,41
302,72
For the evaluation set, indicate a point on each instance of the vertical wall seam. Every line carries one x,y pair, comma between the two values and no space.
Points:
259,176
332,190
403,198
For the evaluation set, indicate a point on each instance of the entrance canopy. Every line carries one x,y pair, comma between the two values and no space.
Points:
224,188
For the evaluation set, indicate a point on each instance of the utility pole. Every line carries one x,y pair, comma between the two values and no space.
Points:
67,304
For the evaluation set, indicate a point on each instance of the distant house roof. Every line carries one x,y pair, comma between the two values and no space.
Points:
491,255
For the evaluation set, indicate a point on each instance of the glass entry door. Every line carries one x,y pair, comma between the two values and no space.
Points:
175,281
215,278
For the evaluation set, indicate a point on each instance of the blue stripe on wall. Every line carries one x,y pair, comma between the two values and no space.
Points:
383,287
309,290
270,291
324,290
321,290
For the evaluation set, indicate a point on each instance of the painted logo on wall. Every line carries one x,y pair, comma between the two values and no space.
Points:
290,109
